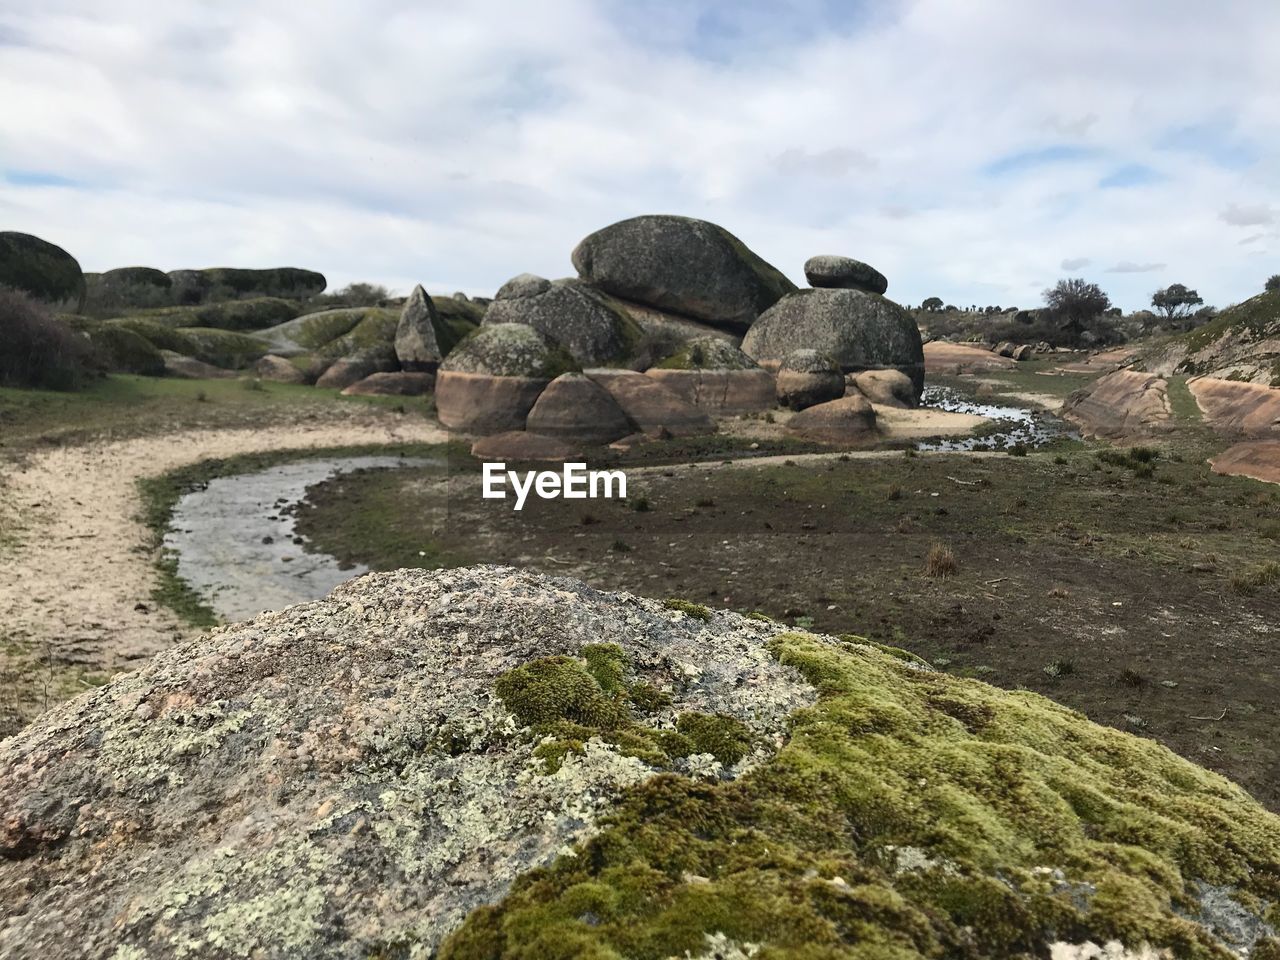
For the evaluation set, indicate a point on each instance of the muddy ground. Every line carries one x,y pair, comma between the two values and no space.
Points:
1135,590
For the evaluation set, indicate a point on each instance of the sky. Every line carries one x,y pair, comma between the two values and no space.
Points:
975,150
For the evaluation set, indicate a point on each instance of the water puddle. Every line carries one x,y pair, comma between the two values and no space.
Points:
1011,426
235,540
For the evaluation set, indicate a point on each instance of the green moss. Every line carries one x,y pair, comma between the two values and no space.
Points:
725,738
126,351
695,610
1255,317
225,348
911,814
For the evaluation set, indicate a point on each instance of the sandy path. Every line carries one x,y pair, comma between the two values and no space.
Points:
79,563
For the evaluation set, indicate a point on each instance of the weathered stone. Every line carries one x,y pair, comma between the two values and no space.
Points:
944,358
885,388
574,407
189,368
278,370
569,313
725,393
42,270
808,377
343,373
483,403
523,285
1121,404
849,420
863,331
650,406
844,273
1259,459
416,345
509,350
1234,408
520,445
394,384
685,266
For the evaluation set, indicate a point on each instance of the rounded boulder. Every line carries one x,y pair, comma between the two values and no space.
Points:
576,408
844,273
42,270
807,378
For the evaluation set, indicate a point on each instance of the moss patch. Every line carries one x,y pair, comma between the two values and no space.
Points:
911,814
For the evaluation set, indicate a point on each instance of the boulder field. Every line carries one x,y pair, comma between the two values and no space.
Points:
485,762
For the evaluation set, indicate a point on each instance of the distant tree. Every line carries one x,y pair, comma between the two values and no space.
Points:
1113,312
1077,302
951,308
1273,283
933,304
1175,301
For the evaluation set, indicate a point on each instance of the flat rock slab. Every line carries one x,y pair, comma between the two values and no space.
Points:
650,406
402,384
1259,459
942,358
481,403
1242,408
521,445
1125,403
726,393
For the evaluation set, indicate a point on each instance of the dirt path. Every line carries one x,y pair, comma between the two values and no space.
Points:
76,569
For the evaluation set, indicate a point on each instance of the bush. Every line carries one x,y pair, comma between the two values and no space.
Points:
940,562
37,349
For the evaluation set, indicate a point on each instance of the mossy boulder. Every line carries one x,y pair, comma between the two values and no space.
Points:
125,351
487,763
594,330
681,265
708,353
334,334
196,286
861,330
509,350
42,270
220,348
134,276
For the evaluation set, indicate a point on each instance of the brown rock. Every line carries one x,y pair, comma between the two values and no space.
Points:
885,388
1259,459
850,419
807,378
402,384
1121,404
1238,408
1023,352
575,407
343,373
519,445
483,403
941,357
726,393
278,370
189,368
649,405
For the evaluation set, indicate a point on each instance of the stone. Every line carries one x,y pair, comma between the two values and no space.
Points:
681,265
849,420
278,370
1259,459
808,377
714,375
844,273
42,270
520,445
189,368
1024,351
574,407
416,345
650,406
509,350
1238,409
593,330
885,388
483,403
862,331
949,359
134,276
291,283
1121,404
348,370
405,383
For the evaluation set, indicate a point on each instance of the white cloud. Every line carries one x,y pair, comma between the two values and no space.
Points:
402,142
1072,264
1248,215
1128,266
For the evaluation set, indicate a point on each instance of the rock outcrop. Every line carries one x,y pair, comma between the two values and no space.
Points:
520,445
570,313
1234,408
399,383
651,407
715,376
485,762
683,266
1125,403
1242,343
278,370
417,347
1259,459
850,420
949,359
809,377
885,388
42,270
195,286
576,409
863,331
844,273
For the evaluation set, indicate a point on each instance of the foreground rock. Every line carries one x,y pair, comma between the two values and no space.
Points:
681,265
885,388
417,347
1259,459
42,270
850,420
807,378
520,445
1235,408
569,313
400,383
651,407
950,359
862,331
347,371
368,775
576,409
1121,404
278,370
715,376
844,273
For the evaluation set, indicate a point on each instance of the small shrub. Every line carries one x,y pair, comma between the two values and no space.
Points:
620,546
695,610
641,505
940,561
39,350
1131,678
895,492
1060,668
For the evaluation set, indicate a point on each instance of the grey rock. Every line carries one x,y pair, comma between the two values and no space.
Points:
844,273
863,331
416,345
508,350
572,314
523,285
682,265
574,407
807,378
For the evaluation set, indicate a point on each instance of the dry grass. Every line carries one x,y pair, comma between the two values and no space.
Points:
940,562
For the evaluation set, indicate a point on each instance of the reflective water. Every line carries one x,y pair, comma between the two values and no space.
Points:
1011,425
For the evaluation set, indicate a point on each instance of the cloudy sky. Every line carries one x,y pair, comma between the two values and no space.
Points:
976,151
